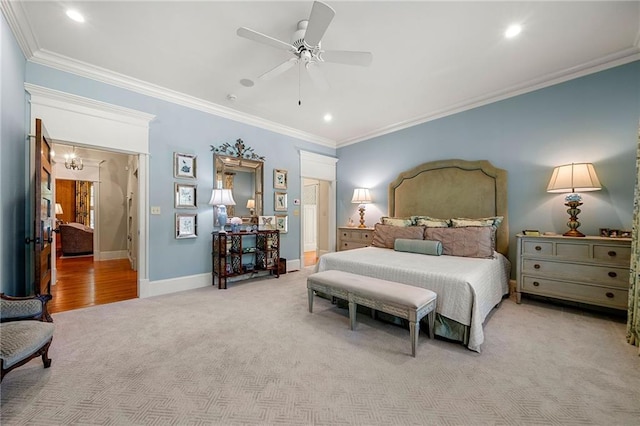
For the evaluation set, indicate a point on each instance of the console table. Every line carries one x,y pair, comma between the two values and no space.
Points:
241,253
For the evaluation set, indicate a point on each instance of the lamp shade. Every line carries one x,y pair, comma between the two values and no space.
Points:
59,208
251,203
222,197
574,177
361,196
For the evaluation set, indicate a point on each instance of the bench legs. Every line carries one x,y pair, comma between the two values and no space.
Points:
310,291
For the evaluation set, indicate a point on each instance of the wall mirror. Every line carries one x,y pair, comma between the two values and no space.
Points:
244,177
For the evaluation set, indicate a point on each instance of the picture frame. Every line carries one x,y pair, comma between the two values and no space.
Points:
266,223
186,225
185,196
279,179
184,165
604,232
280,201
282,223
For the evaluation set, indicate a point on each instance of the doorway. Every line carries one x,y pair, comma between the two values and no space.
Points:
315,204
93,262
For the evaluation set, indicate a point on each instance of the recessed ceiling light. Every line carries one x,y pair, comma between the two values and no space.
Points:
513,31
328,117
75,15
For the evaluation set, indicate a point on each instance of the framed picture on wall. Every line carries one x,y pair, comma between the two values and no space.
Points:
184,165
280,201
267,223
279,179
185,196
186,225
282,223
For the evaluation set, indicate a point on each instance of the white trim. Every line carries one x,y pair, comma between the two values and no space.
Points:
16,18
111,255
174,285
103,126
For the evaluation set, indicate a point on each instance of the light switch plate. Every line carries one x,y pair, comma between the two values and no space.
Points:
155,210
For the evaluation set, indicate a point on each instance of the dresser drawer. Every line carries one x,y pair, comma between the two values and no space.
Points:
606,275
540,248
572,251
350,245
614,254
602,296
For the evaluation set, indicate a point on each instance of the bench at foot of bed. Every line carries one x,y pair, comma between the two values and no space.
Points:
404,301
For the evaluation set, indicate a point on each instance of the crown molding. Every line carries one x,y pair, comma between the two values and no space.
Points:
619,58
83,69
15,15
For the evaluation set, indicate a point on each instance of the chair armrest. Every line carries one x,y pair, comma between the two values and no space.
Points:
24,308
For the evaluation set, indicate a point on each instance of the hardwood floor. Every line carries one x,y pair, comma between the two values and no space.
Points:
310,258
81,282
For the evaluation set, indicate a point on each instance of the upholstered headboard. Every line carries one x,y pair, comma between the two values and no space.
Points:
453,188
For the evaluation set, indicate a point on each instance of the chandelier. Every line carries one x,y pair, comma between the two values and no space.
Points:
72,162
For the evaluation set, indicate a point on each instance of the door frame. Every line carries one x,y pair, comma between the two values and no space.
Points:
320,167
99,125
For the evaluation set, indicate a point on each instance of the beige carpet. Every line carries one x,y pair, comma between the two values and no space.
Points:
253,354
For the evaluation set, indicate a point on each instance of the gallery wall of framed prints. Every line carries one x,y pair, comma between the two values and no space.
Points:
185,195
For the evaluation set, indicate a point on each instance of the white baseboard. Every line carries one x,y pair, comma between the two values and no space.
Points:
174,285
111,255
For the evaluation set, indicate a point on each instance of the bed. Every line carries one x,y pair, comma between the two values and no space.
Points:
468,288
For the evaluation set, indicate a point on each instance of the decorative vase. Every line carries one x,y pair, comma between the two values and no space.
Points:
222,216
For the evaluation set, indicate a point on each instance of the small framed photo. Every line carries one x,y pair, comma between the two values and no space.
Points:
186,225
280,201
184,165
604,232
267,223
282,223
614,233
279,179
185,196
625,234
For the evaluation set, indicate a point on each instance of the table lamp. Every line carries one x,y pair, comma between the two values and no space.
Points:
361,196
251,205
221,198
572,178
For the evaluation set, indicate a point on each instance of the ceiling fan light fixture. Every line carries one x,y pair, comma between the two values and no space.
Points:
328,117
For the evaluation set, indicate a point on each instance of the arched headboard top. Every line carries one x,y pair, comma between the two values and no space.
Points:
453,188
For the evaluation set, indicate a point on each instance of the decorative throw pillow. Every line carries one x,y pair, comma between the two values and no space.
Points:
430,247
430,222
469,241
385,235
396,221
459,222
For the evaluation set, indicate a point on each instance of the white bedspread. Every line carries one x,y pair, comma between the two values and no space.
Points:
467,288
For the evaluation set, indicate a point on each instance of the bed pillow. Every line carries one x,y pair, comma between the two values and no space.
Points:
430,222
468,241
396,221
430,247
385,235
459,222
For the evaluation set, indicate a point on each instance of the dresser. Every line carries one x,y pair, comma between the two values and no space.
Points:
592,270
351,238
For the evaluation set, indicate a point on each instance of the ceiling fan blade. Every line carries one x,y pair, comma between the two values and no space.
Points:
319,20
279,69
264,39
316,75
347,57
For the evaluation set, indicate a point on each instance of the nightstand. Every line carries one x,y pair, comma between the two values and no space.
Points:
351,238
592,270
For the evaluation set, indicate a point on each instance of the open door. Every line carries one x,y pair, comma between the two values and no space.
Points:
43,210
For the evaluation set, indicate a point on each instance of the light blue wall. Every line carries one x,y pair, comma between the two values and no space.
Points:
589,119
180,129
13,161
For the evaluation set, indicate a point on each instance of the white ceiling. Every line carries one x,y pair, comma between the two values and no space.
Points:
430,59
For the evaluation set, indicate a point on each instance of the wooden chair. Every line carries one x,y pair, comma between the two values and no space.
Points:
26,331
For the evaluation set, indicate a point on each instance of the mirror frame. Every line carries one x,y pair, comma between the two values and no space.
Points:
223,163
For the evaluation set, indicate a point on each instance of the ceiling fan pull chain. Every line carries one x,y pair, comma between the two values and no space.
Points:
299,85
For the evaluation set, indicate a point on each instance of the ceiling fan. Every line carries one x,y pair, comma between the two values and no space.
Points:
306,47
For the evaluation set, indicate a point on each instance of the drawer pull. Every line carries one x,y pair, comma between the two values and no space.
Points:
536,284
366,235
609,295
613,274
538,248
536,266
612,253
344,234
